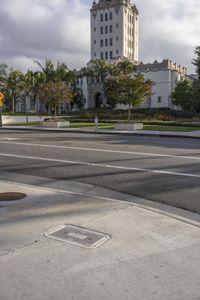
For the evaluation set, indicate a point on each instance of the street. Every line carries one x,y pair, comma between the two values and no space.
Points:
103,184
165,170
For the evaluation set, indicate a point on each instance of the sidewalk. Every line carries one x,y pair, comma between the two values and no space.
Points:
193,134
149,256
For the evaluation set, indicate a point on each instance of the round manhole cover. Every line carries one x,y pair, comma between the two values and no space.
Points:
12,196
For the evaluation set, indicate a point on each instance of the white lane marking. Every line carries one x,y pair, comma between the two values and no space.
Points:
104,150
100,165
10,139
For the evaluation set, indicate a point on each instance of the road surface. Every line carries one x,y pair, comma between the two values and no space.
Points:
165,170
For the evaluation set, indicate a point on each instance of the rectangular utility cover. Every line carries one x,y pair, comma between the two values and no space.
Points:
78,236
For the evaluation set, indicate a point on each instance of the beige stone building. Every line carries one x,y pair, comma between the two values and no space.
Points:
114,30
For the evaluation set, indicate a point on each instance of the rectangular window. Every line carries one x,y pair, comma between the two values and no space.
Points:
106,17
106,29
111,41
110,15
106,42
106,55
101,43
101,17
117,38
111,29
159,99
117,25
111,55
95,42
117,51
101,55
101,29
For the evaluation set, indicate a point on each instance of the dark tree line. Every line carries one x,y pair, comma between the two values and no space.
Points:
187,92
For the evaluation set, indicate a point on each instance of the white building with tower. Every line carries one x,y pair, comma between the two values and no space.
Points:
114,30
114,37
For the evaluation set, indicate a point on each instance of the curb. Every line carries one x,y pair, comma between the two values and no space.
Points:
99,131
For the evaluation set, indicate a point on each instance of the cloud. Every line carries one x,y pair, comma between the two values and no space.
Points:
39,29
169,29
60,30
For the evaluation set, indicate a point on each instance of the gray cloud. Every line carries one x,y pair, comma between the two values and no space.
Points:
38,29
169,29
60,30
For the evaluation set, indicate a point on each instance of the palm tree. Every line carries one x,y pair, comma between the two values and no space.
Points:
3,75
13,86
98,69
56,81
59,73
124,67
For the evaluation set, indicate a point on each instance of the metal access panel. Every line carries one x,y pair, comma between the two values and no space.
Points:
79,236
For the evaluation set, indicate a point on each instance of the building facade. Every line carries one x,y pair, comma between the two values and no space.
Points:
114,30
165,76
114,37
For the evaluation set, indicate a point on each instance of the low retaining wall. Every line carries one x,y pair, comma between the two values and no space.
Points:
129,126
50,124
22,119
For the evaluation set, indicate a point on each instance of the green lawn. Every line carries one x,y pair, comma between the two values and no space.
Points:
170,128
72,125
110,126
91,125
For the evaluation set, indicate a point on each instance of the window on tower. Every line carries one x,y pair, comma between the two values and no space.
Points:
101,29
106,42
106,16
111,55
111,29
101,55
101,17
110,15
101,43
106,55
106,29
111,41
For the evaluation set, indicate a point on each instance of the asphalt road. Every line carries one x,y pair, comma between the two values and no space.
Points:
165,170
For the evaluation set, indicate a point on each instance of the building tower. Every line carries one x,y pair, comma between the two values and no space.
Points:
114,30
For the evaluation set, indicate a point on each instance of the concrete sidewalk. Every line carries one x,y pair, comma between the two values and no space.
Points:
149,256
194,134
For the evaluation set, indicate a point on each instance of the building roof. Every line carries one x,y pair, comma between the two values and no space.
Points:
112,3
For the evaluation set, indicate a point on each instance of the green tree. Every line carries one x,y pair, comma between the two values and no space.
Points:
196,61
14,86
60,72
196,96
125,87
98,69
124,67
183,95
28,82
3,76
55,93
55,82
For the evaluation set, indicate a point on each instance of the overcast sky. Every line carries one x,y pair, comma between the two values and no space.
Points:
60,30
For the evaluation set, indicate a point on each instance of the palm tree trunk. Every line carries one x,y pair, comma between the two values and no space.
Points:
55,113
129,112
13,103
